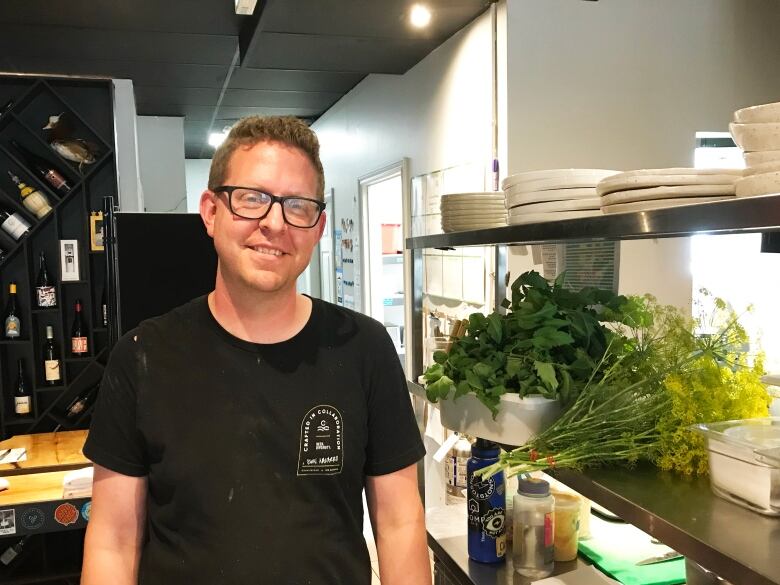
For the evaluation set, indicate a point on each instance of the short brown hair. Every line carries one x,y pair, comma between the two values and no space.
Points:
252,130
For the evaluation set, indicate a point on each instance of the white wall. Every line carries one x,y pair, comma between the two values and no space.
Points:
438,114
131,197
161,163
196,175
625,84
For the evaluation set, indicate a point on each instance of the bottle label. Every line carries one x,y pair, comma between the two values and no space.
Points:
12,327
486,517
47,296
55,179
548,530
37,203
15,226
22,404
105,315
52,370
78,344
456,471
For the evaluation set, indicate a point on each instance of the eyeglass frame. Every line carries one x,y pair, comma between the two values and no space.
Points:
228,189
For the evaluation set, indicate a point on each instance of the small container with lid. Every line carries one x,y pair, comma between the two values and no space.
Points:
533,529
567,526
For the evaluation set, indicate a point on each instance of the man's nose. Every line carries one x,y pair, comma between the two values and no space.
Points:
274,220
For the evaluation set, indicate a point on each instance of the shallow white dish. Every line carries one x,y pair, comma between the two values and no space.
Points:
466,217
756,137
522,198
653,193
588,175
659,204
481,196
518,419
573,182
763,184
758,114
471,206
753,159
448,229
642,180
523,218
572,205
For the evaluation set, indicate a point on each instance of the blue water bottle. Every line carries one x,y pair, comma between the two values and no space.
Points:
486,506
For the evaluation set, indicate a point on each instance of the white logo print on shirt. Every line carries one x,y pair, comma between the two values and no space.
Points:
322,442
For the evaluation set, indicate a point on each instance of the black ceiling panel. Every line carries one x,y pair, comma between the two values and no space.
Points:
187,16
324,53
366,18
303,55
280,79
157,47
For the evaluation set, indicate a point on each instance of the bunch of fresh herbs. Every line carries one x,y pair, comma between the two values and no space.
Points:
552,341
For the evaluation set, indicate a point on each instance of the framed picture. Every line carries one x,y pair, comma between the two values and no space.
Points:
96,231
69,260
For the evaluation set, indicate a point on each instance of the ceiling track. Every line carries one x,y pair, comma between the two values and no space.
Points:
233,65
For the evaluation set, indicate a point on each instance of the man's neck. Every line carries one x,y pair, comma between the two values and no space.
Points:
260,317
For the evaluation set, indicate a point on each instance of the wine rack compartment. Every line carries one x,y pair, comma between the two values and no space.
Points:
56,139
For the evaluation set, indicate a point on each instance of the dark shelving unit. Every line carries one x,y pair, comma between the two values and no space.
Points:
87,106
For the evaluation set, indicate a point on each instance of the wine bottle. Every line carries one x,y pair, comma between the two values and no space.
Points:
45,291
44,168
22,398
104,305
51,361
78,335
13,551
13,326
13,224
32,199
79,404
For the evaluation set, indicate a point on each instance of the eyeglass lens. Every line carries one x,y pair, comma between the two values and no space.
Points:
297,211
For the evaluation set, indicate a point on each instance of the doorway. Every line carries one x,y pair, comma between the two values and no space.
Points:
384,216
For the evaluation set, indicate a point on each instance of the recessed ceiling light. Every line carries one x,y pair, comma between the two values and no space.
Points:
217,138
245,7
420,16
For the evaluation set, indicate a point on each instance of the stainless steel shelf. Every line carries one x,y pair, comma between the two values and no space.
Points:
739,545
753,214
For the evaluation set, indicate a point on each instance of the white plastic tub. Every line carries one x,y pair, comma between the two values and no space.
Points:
518,419
739,470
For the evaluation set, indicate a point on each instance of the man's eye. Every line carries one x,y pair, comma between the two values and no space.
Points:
254,198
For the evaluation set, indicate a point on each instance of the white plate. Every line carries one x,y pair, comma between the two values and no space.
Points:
482,196
762,113
475,217
753,159
759,185
523,198
464,228
573,205
472,206
653,193
658,204
554,216
753,137
556,183
590,176
767,167
626,181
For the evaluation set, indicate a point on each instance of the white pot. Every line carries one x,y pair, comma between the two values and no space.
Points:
518,419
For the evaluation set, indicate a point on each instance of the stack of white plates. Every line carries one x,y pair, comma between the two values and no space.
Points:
757,131
538,196
472,211
647,189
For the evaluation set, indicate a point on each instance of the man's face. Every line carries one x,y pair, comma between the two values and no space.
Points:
265,255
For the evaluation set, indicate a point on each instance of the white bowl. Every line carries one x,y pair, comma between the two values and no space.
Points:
758,114
753,159
759,185
756,137
518,419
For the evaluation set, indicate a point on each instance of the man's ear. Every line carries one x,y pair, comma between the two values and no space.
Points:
321,226
208,210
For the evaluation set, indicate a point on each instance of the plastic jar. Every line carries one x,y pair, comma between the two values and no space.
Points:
534,527
567,526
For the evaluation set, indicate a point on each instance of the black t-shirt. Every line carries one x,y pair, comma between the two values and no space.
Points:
256,454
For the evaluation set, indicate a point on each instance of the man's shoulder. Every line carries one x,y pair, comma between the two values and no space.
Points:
342,319
180,321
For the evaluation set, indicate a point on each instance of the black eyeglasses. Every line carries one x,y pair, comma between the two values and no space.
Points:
249,203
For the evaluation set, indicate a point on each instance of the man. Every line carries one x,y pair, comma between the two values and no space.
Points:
234,436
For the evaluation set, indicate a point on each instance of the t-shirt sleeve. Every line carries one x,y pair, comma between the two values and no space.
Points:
394,441
114,441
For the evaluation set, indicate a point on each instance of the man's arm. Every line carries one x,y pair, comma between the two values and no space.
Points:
398,521
115,533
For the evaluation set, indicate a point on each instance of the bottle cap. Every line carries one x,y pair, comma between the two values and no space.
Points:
49,332
12,288
484,449
533,487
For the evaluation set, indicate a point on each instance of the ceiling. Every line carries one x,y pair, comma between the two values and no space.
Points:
199,60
